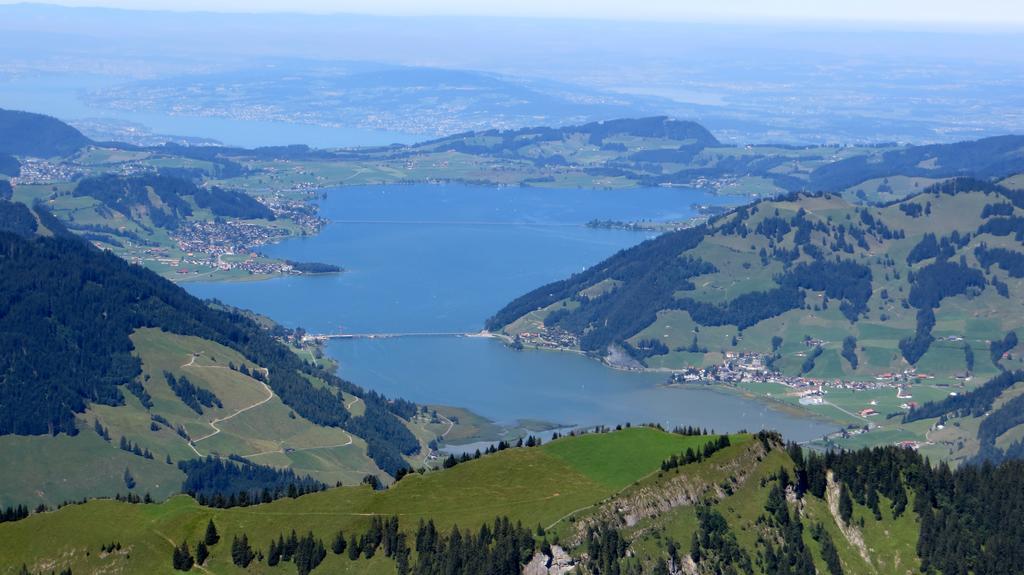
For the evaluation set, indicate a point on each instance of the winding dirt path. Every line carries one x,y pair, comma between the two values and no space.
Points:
451,424
282,449
213,423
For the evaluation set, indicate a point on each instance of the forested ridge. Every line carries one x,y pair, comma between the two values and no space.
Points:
130,194
65,323
28,134
9,166
842,256
981,159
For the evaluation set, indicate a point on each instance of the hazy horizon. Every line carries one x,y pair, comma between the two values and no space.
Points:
942,14
759,79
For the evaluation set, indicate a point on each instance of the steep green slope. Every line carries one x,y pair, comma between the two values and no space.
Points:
532,485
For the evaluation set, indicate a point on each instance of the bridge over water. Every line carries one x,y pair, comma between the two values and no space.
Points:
324,336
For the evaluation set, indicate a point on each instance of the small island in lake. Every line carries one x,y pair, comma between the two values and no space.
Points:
314,267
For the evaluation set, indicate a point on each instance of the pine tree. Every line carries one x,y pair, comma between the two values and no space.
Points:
402,553
289,547
129,480
353,548
201,553
274,552
338,545
845,504
181,558
211,537
872,503
101,431
241,552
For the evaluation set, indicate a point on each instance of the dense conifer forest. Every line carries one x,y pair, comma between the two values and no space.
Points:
236,481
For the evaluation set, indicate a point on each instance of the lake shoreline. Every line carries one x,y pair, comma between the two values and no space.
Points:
717,387
414,279
657,226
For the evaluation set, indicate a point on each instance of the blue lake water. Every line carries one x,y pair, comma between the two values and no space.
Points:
428,258
61,95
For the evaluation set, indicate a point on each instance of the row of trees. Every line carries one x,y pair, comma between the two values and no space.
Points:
191,395
452,460
306,552
14,513
976,402
1012,262
183,560
498,548
695,456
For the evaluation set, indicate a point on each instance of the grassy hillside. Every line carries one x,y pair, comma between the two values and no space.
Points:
532,485
567,488
253,423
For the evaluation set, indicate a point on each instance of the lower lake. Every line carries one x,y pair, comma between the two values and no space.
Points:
443,258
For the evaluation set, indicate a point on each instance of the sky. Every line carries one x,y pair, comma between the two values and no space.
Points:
944,12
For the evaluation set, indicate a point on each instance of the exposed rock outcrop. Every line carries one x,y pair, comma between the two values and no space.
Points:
850,532
559,563
675,490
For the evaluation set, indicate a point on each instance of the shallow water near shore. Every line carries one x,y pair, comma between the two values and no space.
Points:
441,259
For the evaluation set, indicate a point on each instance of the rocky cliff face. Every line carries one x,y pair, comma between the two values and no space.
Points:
723,474
558,563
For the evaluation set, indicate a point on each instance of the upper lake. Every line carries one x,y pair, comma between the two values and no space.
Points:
442,258
62,95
